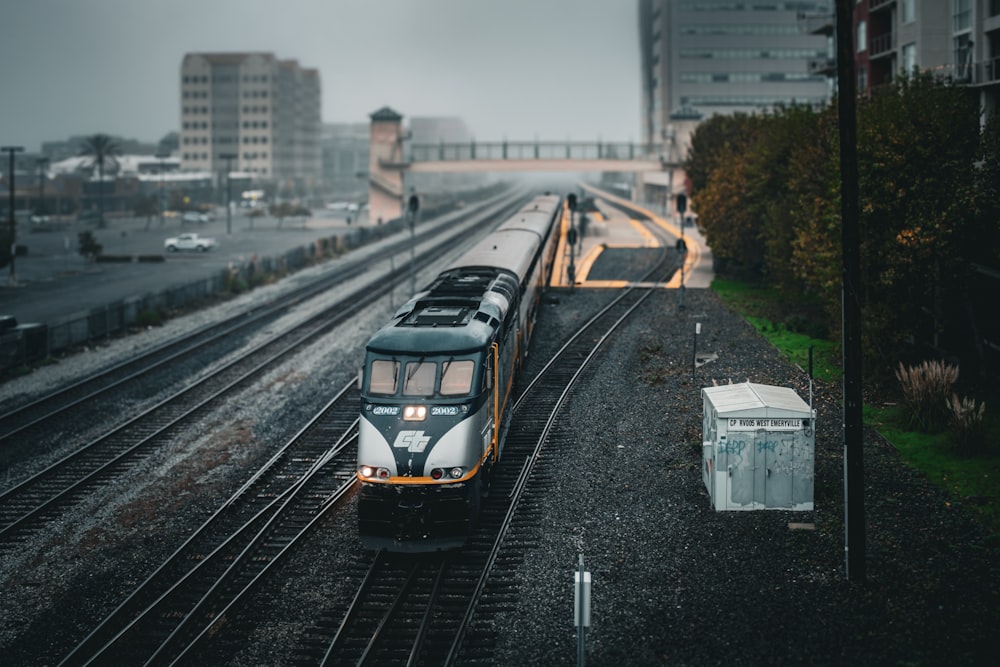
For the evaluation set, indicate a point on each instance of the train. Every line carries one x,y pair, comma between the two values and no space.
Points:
437,383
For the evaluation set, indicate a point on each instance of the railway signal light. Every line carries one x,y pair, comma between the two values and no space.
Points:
682,203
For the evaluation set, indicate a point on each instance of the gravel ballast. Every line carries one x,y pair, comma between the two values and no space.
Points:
674,582
677,583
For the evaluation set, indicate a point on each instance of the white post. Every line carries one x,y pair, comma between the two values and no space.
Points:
581,611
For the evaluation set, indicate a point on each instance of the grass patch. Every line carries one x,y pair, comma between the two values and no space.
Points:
791,327
972,479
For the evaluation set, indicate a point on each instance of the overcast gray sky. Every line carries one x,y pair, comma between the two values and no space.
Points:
515,69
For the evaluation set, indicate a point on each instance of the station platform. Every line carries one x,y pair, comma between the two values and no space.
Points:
614,229
54,284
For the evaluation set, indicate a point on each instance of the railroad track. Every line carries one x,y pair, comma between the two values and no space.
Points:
233,550
27,507
39,418
398,616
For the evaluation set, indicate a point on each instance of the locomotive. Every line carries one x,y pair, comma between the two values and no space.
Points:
436,386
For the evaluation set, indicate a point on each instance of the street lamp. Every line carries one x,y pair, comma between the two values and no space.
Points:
412,209
13,223
229,157
161,157
42,163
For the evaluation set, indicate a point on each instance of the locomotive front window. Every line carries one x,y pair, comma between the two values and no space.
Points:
456,377
419,378
384,377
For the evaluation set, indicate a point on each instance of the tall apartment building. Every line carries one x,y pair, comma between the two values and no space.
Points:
705,57
957,39
263,111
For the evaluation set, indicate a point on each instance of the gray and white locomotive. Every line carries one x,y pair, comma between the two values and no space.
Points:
436,386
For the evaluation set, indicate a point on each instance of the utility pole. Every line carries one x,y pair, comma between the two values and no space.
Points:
681,243
13,222
412,208
571,239
854,473
229,157
161,157
42,163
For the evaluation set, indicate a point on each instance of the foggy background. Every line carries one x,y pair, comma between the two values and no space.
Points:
513,69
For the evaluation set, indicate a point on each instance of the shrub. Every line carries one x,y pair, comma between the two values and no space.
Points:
926,388
88,244
967,422
236,284
813,327
150,318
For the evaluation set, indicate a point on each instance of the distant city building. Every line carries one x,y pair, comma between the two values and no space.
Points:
345,159
262,110
958,40
700,58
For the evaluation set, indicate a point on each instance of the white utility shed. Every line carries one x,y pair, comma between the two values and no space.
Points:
758,448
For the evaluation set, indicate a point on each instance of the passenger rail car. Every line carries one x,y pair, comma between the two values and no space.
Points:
436,386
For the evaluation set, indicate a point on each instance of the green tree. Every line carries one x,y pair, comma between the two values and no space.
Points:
917,145
771,167
725,209
89,247
5,246
146,206
288,210
814,187
767,191
102,150
710,143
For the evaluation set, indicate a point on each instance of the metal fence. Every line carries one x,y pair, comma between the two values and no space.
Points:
30,343
533,150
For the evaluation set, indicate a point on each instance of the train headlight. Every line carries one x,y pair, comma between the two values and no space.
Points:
371,472
453,473
415,413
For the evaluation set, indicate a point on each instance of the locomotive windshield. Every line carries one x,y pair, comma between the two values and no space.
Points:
383,377
456,377
421,377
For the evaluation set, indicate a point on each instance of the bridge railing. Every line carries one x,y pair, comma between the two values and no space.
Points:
533,150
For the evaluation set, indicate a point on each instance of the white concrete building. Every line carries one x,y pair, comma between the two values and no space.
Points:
262,111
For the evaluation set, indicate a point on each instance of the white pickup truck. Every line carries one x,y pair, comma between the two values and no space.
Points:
189,241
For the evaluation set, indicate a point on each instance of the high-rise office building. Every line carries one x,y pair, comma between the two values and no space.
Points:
262,110
705,57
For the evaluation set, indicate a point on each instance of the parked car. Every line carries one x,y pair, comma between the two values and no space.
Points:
195,216
190,241
350,207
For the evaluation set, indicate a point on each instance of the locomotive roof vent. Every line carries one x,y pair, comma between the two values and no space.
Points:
434,316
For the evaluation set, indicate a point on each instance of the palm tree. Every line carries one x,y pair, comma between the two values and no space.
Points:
101,149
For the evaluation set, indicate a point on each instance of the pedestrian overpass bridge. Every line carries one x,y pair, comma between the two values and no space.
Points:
391,159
